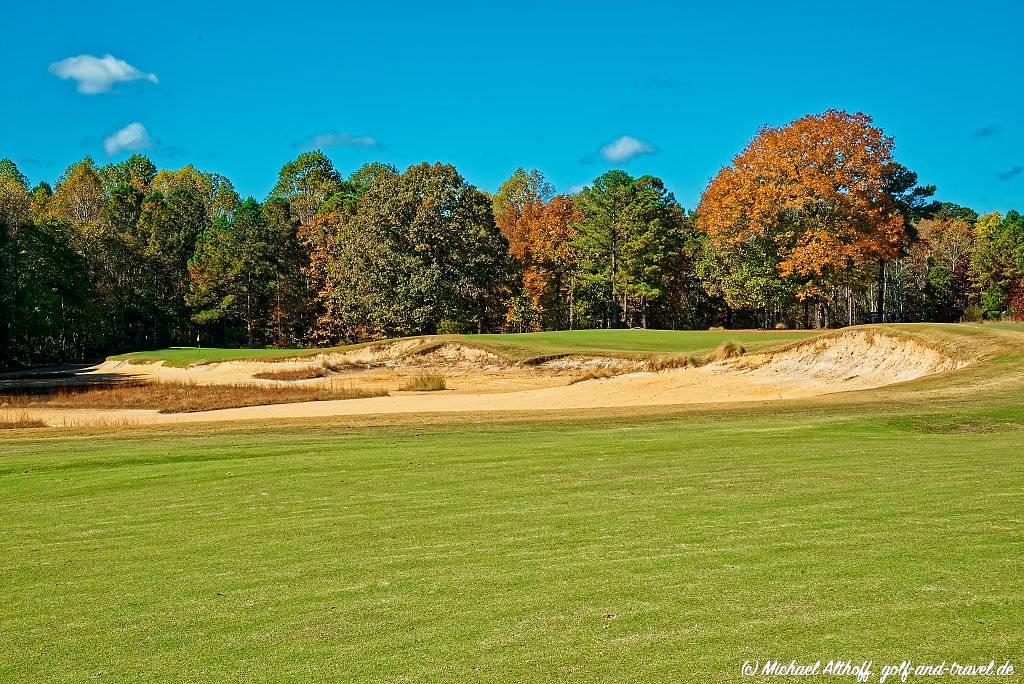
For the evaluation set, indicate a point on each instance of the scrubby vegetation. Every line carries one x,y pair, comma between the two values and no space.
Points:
181,397
324,370
15,421
597,374
428,382
729,350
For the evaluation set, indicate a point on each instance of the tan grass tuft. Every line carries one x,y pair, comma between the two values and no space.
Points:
729,350
597,374
430,382
662,363
310,373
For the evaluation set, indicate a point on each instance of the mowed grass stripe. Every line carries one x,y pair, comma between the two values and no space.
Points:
638,550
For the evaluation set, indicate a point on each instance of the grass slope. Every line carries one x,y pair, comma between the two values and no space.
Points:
519,346
617,342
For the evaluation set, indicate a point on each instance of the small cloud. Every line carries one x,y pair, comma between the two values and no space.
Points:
576,189
97,74
1010,173
625,148
336,139
132,137
987,131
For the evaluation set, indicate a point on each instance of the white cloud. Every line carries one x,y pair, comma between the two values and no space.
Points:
576,189
132,137
342,140
97,74
625,148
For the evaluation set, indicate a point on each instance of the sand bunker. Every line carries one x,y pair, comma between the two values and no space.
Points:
853,360
848,361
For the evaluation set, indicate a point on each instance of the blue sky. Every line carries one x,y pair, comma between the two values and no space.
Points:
240,88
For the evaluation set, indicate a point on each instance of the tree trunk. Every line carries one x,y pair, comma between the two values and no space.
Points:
614,240
849,306
572,303
613,315
881,291
248,317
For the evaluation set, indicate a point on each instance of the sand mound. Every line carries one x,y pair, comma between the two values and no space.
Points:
454,355
852,360
377,353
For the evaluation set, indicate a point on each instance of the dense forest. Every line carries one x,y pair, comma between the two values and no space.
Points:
814,224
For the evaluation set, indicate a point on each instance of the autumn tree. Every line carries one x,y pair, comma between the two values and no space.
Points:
812,202
323,241
15,201
137,171
216,191
79,196
539,230
941,257
306,183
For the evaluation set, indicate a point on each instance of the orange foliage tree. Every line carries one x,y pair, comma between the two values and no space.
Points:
539,230
817,192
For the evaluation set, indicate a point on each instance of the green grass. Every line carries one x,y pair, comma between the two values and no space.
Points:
517,347
634,550
600,342
626,546
181,357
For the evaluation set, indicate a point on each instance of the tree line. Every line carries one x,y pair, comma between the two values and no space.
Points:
813,224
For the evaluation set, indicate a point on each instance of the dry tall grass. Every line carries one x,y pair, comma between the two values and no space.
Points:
290,375
662,363
430,382
597,374
322,371
17,420
185,397
729,350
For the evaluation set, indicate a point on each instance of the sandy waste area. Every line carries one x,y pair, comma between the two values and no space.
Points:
480,381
